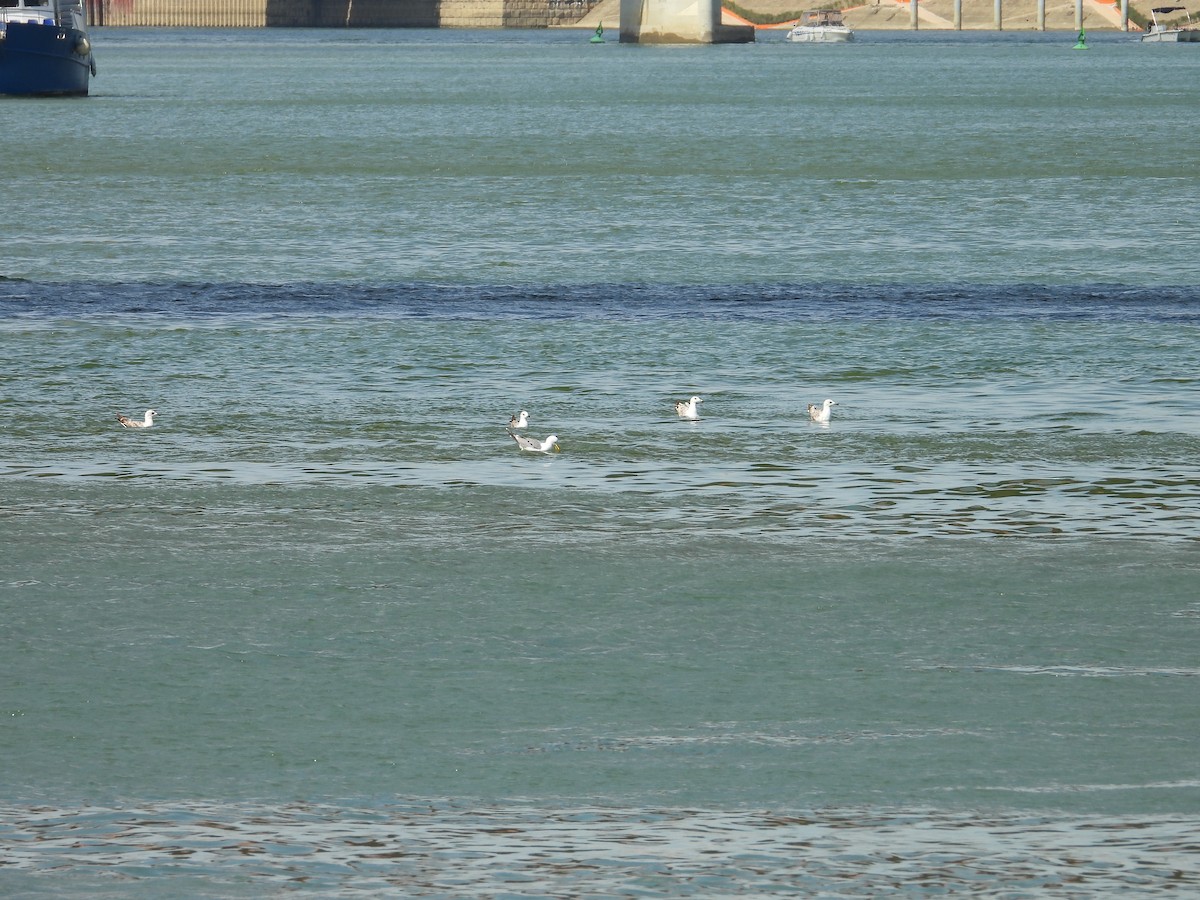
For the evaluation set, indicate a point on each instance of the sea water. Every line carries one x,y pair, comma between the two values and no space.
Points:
325,629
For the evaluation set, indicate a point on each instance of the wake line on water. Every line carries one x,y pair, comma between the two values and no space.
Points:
1065,671
35,301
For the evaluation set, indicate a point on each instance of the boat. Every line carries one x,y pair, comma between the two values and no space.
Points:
821,26
44,48
1160,33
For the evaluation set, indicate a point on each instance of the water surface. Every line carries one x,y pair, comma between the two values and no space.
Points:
325,628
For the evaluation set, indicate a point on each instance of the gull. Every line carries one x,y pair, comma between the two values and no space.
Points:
821,413
127,422
532,445
688,410
519,421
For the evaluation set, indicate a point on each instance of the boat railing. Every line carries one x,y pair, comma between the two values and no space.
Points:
68,13
1183,25
818,17
36,15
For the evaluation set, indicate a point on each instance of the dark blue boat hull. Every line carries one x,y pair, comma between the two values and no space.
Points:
44,60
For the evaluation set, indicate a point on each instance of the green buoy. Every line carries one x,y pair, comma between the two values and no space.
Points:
1081,44
598,37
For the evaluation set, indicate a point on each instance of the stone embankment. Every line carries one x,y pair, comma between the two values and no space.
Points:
338,13
1017,15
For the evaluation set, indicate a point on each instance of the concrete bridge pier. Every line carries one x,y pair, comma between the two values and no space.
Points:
679,22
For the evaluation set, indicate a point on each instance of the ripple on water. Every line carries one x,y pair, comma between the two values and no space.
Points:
441,848
593,497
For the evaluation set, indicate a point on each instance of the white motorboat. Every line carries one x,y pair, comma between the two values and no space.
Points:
821,26
1161,33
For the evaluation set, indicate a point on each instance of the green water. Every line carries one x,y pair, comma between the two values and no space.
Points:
324,625
538,158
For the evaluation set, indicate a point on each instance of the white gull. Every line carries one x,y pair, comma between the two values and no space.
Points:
688,410
519,421
127,422
532,445
821,413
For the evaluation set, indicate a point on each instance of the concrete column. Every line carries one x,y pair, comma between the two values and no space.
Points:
913,13
1041,15
1078,14
958,15
1124,15
679,22
999,17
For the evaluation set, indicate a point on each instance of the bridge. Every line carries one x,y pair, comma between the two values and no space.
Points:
679,22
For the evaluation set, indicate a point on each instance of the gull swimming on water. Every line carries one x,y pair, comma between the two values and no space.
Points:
127,422
533,445
688,410
519,421
821,413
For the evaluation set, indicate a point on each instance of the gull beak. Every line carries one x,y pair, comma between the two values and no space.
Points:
557,449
